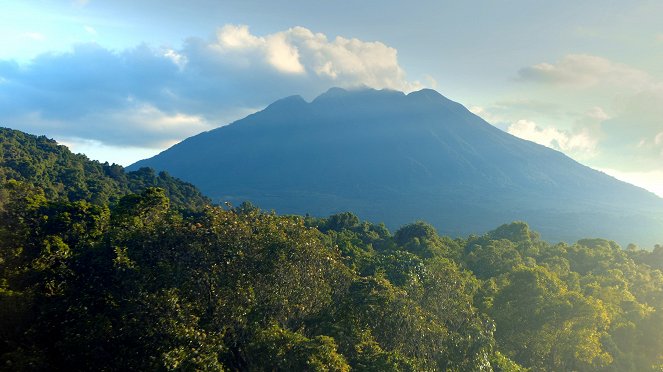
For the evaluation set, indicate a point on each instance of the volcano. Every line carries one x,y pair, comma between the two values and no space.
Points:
395,158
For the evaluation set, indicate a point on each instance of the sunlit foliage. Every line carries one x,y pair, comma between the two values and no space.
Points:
138,281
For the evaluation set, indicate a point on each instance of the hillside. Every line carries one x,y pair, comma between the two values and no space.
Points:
39,161
141,282
397,158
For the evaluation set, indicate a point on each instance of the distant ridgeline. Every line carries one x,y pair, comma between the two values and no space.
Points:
396,158
93,278
41,162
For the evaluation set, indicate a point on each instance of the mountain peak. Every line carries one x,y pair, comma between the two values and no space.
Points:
394,158
334,92
426,92
362,93
288,102
428,96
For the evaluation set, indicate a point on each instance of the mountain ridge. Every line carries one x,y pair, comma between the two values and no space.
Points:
421,153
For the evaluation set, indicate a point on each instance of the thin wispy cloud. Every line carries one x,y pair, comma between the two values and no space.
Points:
581,70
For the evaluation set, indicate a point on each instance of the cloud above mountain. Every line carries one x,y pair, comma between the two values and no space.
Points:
344,62
150,96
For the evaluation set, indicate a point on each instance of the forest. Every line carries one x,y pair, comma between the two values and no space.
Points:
102,269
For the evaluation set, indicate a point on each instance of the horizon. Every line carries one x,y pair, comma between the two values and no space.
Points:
121,84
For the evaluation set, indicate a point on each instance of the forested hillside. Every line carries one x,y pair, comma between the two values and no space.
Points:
133,282
41,162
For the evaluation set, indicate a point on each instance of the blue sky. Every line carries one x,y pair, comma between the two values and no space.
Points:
122,80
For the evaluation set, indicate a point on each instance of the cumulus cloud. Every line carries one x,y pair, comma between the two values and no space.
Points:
581,144
151,97
273,50
342,61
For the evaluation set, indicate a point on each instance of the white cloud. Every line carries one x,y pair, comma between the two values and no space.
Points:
282,55
97,150
581,143
505,112
138,125
342,61
165,129
237,37
489,116
273,49
477,110
652,147
658,140
175,57
152,97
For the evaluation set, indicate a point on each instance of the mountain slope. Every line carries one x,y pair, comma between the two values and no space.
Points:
397,158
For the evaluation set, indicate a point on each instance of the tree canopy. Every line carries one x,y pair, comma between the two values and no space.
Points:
153,280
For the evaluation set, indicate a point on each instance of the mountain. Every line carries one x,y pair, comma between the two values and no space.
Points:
63,175
395,158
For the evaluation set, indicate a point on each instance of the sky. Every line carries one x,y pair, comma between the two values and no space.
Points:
123,80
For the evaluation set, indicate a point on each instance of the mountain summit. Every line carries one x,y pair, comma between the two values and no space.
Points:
396,158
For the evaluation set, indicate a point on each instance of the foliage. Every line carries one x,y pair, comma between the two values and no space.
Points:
61,174
146,281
